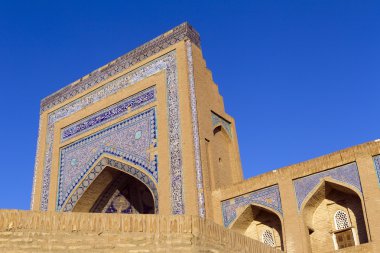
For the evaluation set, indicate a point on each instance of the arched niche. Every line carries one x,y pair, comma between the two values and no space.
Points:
260,223
222,160
114,187
319,213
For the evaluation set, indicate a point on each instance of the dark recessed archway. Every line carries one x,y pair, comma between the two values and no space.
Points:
114,191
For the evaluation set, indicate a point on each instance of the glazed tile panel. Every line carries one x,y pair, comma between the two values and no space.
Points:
128,140
97,169
127,105
268,197
376,159
347,174
165,63
194,118
217,120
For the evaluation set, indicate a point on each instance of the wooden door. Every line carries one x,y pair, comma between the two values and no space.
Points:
345,239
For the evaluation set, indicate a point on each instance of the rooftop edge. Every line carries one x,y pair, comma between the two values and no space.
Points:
178,33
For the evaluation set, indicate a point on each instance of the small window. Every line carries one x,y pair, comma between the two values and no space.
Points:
268,239
341,220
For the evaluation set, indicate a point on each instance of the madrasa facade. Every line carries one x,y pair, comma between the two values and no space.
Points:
140,156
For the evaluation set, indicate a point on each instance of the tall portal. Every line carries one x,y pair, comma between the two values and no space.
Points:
146,133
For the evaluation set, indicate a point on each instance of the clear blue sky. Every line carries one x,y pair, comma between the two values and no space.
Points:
301,78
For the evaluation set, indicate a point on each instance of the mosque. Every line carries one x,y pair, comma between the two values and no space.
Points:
140,156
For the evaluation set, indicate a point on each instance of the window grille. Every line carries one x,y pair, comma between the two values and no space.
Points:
342,220
268,239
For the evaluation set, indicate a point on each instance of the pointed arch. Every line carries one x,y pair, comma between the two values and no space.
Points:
221,128
319,210
98,167
256,220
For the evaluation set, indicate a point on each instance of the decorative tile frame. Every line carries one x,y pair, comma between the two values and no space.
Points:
129,140
194,118
97,169
165,63
376,160
182,32
347,174
217,120
127,105
268,197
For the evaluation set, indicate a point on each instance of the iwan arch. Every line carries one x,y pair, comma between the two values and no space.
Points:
146,137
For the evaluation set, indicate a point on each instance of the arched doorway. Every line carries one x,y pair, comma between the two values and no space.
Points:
114,187
222,157
334,217
261,224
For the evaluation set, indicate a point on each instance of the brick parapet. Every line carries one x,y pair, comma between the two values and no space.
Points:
205,233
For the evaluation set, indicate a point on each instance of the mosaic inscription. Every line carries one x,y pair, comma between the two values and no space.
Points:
125,106
268,197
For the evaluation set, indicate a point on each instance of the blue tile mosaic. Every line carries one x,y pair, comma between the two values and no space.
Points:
376,160
127,105
166,63
194,119
347,174
268,197
129,140
87,179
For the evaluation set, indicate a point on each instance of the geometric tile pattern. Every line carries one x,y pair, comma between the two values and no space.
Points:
182,32
125,106
166,63
97,169
268,197
376,159
217,120
129,140
347,174
194,114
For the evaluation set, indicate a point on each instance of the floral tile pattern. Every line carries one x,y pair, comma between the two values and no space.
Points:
128,140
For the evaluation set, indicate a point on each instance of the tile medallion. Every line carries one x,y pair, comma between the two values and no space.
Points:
268,197
376,160
347,174
165,63
104,162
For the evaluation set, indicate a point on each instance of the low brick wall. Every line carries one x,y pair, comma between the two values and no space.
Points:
28,231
